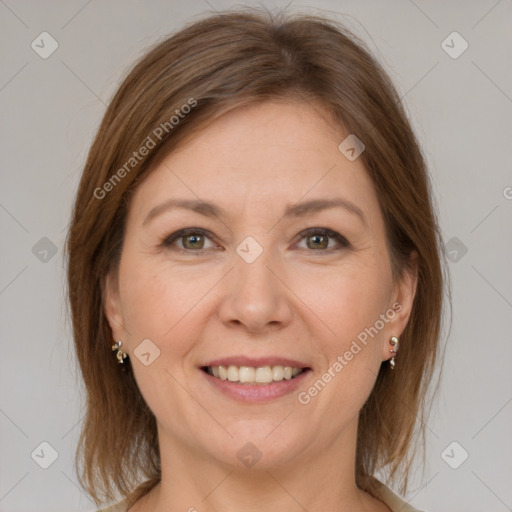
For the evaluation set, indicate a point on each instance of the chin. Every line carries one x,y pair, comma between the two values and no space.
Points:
260,446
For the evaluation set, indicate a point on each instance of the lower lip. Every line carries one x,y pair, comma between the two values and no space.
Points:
256,393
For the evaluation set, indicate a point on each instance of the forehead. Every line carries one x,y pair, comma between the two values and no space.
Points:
272,153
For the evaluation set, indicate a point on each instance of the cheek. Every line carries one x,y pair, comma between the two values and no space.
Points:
350,366
157,303
347,300
350,303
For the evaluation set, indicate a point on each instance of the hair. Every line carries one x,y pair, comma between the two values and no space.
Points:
214,65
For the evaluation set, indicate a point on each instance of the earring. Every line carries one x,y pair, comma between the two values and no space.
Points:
394,351
121,356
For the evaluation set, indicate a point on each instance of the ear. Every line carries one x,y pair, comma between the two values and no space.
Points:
401,303
112,307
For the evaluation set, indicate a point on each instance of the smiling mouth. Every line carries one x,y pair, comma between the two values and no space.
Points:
251,375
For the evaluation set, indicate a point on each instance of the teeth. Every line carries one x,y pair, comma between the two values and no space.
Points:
263,374
233,373
277,373
248,374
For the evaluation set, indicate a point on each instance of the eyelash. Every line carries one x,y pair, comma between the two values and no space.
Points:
183,233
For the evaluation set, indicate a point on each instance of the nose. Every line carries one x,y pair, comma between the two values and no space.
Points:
257,299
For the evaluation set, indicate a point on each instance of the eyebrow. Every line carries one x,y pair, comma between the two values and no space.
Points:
292,210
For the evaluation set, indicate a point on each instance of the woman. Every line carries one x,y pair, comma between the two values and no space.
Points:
254,276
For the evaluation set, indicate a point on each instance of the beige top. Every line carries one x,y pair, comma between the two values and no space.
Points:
385,494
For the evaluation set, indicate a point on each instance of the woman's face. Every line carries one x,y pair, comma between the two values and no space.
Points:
264,277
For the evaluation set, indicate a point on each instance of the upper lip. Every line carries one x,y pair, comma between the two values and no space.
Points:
256,362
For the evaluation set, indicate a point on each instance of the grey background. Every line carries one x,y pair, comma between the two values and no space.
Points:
461,109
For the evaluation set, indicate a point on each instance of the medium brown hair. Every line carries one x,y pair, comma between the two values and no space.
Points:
219,63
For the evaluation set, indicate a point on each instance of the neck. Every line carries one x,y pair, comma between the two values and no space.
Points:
316,480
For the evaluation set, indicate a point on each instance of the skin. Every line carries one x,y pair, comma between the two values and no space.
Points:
301,298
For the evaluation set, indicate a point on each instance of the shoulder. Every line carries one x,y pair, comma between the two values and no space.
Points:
117,507
392,500
384,493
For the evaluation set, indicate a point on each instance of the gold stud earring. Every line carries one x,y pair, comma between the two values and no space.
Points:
394,351
121,356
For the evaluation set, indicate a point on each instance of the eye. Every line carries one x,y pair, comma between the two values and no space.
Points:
193,240
320,239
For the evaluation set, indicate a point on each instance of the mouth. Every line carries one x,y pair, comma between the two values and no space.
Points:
261,382
250,375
